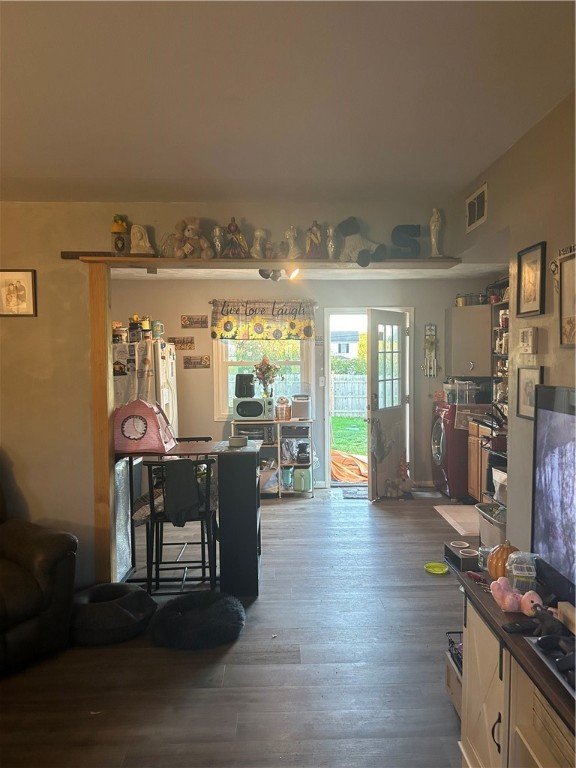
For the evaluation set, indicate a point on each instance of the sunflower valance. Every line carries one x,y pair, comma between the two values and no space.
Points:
255,319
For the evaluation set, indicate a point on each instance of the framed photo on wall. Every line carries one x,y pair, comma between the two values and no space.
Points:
567,301
528,378
531,277
18,293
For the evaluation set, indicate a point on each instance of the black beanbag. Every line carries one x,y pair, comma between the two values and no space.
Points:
111,613
198,620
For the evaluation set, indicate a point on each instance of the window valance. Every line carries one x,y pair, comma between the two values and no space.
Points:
256,319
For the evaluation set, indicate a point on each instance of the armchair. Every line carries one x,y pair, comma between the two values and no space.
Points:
37,569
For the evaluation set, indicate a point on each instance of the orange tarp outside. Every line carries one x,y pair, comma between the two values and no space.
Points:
348,468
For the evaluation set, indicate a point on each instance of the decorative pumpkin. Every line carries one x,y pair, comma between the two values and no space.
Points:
497,558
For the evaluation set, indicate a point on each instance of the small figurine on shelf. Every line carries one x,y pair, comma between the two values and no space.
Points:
331,244
294,250
435,224
257,250
219,240
314,241
120,239
139,242
190,243
237,247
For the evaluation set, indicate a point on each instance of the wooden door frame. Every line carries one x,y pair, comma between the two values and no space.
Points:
102,426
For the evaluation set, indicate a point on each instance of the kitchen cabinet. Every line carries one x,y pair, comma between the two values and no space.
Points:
538,737
287,454
477,460
468,345
515,713
485,686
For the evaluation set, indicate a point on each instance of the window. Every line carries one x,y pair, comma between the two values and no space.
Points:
388,366
343,348
237,356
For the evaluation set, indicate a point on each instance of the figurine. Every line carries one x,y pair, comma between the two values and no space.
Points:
314,241
218,238
139,242
119,233
190,243
257,246
435,224
331,245
294,251
236,247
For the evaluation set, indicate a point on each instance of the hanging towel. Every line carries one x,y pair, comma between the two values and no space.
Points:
183,498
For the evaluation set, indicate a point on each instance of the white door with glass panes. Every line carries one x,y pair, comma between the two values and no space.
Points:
387,402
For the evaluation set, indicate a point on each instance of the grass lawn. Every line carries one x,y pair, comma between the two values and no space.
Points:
350,434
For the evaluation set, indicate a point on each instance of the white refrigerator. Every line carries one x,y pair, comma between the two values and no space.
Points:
146,369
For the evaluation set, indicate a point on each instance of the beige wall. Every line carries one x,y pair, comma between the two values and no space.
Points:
46,454
531,197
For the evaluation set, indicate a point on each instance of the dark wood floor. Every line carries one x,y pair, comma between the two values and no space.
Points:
340,664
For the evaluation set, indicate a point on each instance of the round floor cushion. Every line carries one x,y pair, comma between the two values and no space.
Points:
111,613
198,620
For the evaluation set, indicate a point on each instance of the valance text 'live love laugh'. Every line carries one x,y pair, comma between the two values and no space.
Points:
256,319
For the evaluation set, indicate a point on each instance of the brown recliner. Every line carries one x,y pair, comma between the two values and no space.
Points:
37,568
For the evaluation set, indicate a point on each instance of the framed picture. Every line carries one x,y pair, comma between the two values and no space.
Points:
531,275
18,293
567,301
528,378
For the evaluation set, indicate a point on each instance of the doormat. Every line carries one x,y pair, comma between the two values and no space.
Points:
355,493
425,494
462,517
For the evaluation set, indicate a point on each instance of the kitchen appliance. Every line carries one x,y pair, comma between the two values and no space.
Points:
264,432
302,480
253,408
303,453
146,370
244,385
449,444
301,407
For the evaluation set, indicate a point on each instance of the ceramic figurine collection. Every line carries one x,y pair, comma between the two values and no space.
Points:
344,242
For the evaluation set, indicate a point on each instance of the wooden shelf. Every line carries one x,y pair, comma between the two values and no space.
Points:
152,262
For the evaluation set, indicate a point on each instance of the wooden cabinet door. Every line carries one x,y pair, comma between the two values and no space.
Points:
469,341
485,682
473,465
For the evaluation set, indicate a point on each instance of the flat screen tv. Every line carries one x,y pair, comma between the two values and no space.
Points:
554,489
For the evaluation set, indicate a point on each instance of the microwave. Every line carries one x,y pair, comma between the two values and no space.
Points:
253,408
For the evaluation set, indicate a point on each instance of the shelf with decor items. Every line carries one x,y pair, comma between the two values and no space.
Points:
287,454
498,295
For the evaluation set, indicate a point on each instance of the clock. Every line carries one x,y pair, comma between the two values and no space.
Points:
134,427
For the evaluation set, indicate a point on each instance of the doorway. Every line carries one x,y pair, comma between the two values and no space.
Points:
347,423
368,360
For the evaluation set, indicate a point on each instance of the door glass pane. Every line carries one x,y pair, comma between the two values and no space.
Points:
388,366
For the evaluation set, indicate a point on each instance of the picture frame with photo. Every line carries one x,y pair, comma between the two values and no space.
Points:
531,280
567,281
529,376
18,293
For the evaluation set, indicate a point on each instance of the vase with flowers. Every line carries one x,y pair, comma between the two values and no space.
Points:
266,373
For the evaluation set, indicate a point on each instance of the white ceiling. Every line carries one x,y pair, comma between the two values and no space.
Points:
276,101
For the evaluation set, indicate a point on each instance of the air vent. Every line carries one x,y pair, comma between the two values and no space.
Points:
477,208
